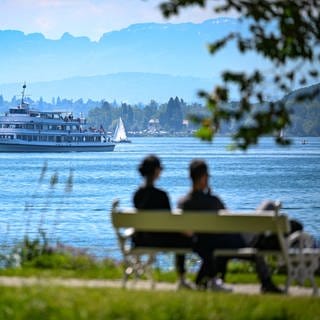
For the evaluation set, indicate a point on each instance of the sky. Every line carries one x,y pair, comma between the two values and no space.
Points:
91,18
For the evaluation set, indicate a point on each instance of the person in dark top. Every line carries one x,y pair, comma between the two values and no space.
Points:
150,197
200,198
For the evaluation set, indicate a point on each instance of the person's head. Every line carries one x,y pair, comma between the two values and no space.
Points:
269,205
150,167
199,173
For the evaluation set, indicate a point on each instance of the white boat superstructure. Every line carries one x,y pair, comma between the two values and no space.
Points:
120,134
23,129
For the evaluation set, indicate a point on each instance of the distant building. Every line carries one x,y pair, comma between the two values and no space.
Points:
185,123
153,125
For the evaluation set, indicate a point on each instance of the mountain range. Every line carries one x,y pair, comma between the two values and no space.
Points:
136,64
142,62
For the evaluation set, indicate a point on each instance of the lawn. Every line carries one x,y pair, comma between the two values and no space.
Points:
43,302
55,302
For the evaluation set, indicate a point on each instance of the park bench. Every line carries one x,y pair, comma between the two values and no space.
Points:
301,260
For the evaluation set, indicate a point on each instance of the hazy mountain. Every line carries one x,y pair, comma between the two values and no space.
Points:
175,49
123,87
311,93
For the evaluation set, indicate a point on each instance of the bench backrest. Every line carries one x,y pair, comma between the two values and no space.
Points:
206,222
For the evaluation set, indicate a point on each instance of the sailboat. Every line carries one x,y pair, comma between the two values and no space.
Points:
120,135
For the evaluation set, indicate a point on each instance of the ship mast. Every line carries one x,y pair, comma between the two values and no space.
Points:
22,95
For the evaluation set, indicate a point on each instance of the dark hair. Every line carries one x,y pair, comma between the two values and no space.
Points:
197,169
149,165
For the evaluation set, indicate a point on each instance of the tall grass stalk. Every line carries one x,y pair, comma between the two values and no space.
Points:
58,211
29,206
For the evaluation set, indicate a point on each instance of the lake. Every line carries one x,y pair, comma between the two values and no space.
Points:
81,217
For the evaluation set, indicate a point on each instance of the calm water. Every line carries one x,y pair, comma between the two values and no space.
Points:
81,218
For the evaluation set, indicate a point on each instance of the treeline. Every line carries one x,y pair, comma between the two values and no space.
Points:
170,117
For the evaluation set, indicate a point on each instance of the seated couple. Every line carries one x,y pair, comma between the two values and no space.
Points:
198,198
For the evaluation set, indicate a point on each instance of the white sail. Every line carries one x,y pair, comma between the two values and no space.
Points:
120,133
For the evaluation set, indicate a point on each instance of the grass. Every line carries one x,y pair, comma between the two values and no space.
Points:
66,266
82,266
84,303
54,302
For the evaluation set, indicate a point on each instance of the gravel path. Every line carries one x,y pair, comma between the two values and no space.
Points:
139,285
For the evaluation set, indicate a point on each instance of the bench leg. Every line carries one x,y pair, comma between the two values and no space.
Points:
127,269
315,291
149,270
302,269
138,265
288,283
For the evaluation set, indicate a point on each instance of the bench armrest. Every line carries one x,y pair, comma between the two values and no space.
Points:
301,240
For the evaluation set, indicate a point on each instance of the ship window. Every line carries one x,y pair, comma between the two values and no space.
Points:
30,126
17,111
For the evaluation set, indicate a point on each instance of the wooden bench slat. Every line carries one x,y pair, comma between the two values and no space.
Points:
201,222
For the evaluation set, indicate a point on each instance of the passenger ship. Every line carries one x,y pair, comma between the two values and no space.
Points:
23,129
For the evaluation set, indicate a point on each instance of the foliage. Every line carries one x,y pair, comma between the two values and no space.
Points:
171,118
284,33
61,265
31,249
136,118
52,302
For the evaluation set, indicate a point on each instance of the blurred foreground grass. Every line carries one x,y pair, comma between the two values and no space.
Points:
55,302
104,303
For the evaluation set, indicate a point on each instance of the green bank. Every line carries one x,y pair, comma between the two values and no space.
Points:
42,302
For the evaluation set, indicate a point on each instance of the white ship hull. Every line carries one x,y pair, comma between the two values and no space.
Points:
23,129
13,146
